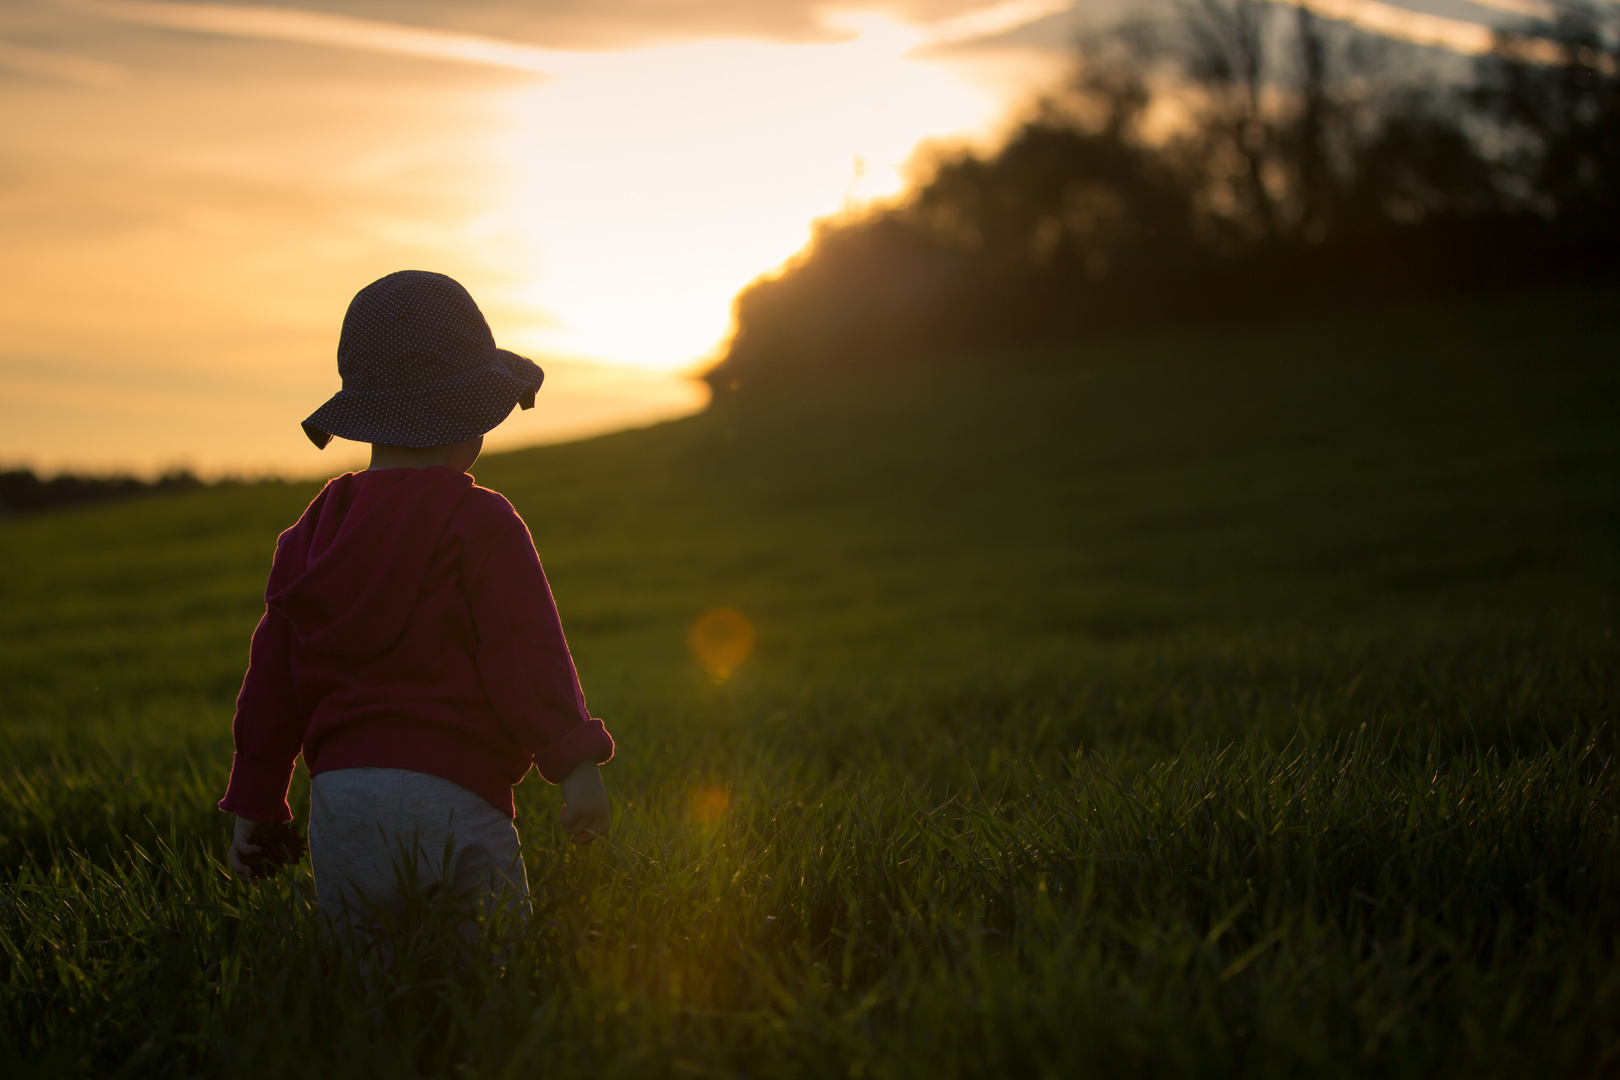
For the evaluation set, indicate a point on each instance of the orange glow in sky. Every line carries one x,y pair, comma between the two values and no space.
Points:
193,192
190,192
648,209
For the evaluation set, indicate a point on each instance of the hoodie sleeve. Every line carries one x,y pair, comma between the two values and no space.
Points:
523,658
268,729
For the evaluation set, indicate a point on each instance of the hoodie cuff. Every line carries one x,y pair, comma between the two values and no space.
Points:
258,790
589,741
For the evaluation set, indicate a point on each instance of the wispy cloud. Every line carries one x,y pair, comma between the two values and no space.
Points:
1528,9
340,31
1439,32
60,67
995,19
372,35
1402,24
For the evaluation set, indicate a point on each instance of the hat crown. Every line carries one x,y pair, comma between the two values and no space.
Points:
420,367
412,328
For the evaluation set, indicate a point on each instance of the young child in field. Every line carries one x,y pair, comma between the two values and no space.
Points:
410,647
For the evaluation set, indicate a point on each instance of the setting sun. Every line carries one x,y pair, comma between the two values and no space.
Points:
203,186
652,185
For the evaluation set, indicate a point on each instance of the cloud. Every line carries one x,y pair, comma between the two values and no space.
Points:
603,25
319,28
1528,9
625,23
1436,31
1402,24
494,34
996,19
373,35
60,67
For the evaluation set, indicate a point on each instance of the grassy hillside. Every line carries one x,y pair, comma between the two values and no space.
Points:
1191,704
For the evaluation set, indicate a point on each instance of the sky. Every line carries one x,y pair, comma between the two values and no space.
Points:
190,192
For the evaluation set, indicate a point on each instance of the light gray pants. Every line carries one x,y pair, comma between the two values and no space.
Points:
370,829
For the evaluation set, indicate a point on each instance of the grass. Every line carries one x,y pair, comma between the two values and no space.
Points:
1238,703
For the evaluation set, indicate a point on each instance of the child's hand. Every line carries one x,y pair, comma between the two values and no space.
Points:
245,842
586,813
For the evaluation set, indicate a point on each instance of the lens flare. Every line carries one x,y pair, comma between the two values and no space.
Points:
721,640
709,804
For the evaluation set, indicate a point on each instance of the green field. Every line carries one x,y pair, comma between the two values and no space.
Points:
1215,703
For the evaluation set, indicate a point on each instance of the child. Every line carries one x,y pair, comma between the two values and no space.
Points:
410,647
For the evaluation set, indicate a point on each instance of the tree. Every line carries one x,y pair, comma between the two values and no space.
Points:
1301,171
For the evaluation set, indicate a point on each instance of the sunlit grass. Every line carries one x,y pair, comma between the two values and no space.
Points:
1206,705
1263,908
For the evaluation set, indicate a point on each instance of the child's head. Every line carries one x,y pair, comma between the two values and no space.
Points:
421,373
459,456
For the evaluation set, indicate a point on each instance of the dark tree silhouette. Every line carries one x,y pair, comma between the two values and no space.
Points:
1303,163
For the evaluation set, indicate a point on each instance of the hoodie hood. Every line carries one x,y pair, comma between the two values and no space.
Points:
348,575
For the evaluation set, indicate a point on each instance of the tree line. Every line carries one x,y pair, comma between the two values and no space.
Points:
1242,158
22,491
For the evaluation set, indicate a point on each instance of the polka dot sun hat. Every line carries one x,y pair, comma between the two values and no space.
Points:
420,368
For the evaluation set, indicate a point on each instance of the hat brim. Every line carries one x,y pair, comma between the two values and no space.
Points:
432,414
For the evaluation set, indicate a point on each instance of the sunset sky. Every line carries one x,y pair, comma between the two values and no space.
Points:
190,193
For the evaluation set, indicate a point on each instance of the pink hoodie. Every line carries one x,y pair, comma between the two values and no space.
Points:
408,625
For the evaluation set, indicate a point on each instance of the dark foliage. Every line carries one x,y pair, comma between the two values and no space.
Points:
1249,159
21,491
